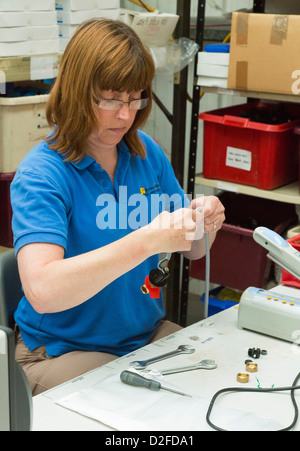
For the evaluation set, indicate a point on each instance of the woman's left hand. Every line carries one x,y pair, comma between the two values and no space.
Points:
213,212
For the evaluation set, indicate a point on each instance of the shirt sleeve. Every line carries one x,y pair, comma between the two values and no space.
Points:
40,211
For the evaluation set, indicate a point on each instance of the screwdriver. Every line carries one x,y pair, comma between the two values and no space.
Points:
131,378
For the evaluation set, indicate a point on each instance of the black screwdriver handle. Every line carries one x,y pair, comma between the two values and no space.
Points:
130,378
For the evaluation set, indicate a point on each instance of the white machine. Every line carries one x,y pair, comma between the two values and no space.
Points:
269,312
15,392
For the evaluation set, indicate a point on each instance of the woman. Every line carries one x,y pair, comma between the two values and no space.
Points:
87,213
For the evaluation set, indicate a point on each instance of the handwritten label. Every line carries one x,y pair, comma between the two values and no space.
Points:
238,158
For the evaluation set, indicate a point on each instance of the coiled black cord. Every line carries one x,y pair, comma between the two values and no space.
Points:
257,390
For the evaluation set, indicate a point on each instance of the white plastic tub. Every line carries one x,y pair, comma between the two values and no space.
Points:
23,124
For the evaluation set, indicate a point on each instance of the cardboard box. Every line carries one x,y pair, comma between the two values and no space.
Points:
265,53
79,5
215,82
153,29
23,5
66,31
221,59
30,68
29,47
77,17
17,34
212,69
63,42
22,19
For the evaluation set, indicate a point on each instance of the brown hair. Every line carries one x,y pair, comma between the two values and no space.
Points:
103,54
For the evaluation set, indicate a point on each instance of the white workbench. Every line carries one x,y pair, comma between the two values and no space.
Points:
217,338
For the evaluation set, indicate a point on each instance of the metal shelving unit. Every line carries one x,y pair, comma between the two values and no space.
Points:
287,194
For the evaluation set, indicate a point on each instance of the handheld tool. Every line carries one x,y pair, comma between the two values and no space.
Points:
158,277
182,349
130,378
280,251
204,365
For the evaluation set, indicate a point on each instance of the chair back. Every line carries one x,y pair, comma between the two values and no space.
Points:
10,288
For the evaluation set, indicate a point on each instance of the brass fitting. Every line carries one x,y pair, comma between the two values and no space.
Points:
242,377
252,367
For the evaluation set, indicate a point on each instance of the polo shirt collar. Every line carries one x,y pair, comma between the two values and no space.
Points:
84,163
87,160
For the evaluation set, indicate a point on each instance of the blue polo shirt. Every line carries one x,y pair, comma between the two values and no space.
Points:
76,206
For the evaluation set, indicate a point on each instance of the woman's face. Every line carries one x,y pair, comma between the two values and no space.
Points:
113,123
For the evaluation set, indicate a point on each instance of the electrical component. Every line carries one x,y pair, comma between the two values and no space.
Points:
269,313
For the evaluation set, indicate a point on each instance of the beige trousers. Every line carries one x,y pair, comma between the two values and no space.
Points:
45,372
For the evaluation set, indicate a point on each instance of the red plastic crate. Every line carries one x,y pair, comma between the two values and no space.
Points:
287,278
239,150
6,236
297,132
236,260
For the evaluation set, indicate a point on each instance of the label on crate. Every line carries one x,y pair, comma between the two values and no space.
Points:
238,158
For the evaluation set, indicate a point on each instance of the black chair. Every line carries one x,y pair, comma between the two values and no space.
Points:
10,288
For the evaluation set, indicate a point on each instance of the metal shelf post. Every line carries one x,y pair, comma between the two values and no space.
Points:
192,156
177,157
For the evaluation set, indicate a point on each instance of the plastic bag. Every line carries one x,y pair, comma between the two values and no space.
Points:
174,56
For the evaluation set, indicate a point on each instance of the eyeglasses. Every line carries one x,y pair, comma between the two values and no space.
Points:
114,105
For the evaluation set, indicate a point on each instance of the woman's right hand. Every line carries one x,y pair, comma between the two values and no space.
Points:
175,231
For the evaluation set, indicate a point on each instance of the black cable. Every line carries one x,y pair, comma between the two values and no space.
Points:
163,108
257,390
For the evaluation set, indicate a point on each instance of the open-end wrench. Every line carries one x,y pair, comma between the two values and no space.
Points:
204,364
182,349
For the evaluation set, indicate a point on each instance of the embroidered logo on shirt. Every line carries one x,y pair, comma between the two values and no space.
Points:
151,190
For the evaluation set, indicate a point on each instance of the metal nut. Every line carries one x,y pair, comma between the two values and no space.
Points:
144,289
252,367
242,377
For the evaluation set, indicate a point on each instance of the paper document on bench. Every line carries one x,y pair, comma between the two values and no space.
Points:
128,408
